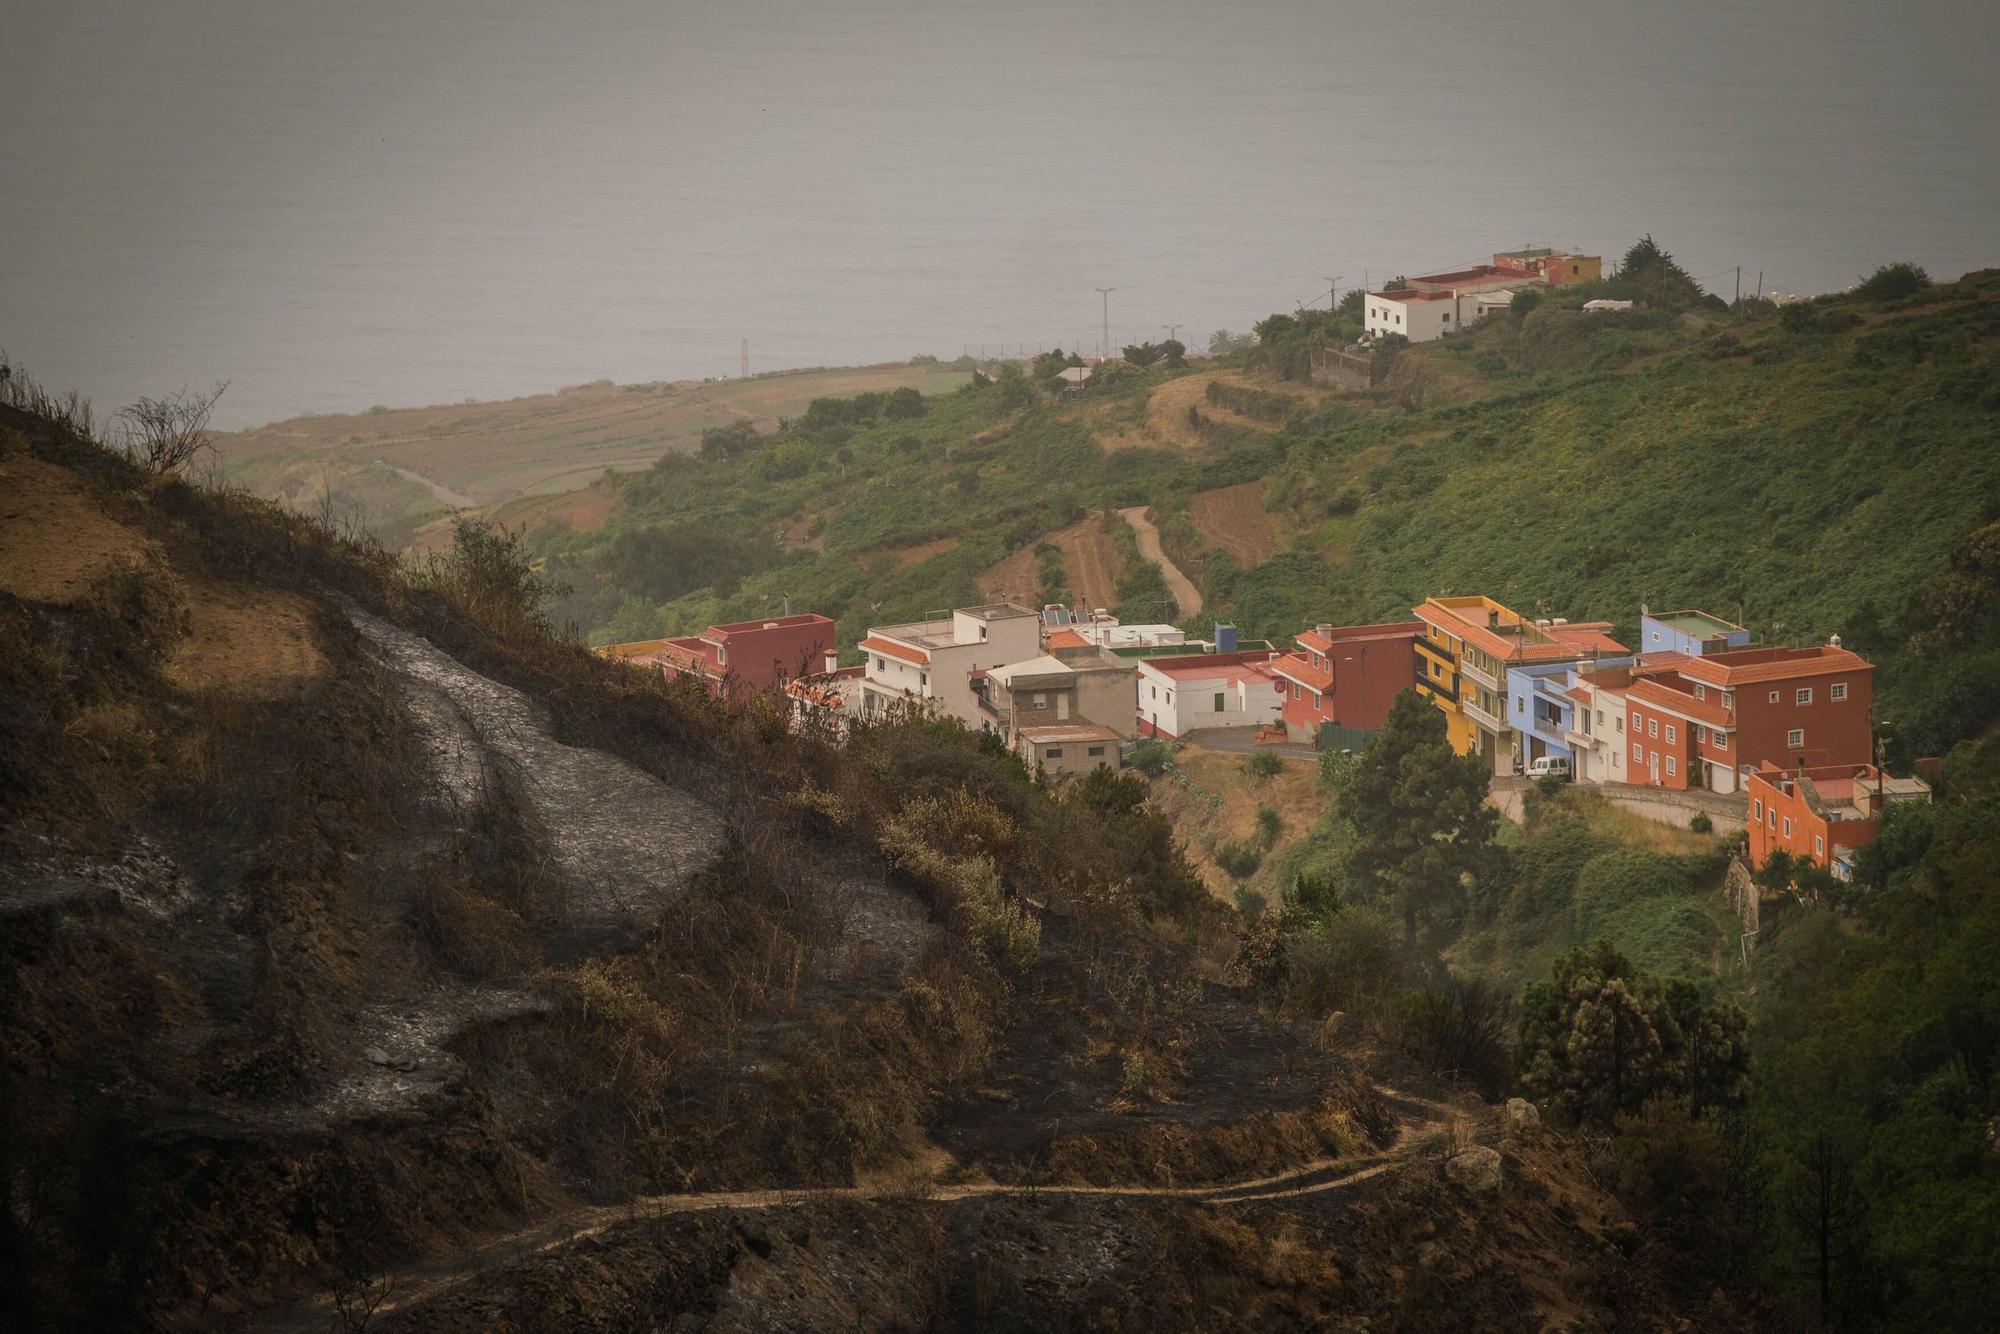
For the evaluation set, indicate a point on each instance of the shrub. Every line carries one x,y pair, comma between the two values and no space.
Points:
1352,962
1151,757
164,435
1268,825
1701,824
913,841
1238,859
1264,764
1458,1027
1614,880
1892,282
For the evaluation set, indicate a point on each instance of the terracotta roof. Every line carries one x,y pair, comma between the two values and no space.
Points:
895,650
691,653
1705,711
1295,668
1067,639
1312,639
1576,639
1463,276
1750,666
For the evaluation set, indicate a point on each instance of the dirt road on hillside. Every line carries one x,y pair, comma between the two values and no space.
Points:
417,1284
1186,596
1088,559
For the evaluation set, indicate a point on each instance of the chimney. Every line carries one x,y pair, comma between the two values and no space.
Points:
1833,641
1325,629
832,661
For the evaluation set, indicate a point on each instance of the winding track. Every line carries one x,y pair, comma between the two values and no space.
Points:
416,1284
1186,596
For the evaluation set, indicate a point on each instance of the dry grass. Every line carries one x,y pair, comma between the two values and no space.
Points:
1294,792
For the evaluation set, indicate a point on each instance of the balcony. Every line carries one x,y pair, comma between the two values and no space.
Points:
1478,675
1490,721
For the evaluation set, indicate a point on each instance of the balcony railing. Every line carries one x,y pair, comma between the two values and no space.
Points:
1490,721
1475,673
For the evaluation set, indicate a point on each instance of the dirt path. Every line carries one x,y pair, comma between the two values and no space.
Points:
1167,411
443,494
1186,597
420,1283
1088,560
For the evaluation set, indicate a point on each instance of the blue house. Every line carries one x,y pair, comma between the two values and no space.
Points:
1691,632
1541,711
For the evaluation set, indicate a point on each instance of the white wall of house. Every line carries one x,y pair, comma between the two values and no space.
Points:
1418,321
1179,705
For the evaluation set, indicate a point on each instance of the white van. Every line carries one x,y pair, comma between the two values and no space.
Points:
1549,766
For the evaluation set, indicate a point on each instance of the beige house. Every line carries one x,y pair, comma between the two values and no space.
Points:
932,665
1065,713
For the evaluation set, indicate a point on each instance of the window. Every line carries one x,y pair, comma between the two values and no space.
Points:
1437,671
1447,317
1053,752
1795,739
1819,845
1719,739
1670,734
1729,699
1638,753
924,680
1218,701
1635,721
1803,695
1670,764
1652,727
1700,691
1041,700
1096,751
1315,699
1519,704
1656,636
1621,722
1298,691
881,666
1155,690
1837,691
1757,809
1774,697
1788,826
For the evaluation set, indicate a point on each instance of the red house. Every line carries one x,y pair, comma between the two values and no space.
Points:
744,658
1346,675
1821,814
1709,721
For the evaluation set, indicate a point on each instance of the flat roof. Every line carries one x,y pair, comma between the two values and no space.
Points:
1057,733
1405,294
995,611
1701,623
1042,666
770,623
1753,665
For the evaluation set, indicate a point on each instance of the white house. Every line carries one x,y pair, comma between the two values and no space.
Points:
1421,317
929,664
1596,734
1182,695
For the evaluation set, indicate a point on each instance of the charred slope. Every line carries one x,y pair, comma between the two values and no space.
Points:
353,945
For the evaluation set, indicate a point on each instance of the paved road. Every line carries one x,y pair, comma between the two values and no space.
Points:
1242,741
1185,595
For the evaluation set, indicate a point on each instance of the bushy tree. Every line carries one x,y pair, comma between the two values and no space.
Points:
1599,1039
1418,811
1659,279
1175,353
1892,282
1143,354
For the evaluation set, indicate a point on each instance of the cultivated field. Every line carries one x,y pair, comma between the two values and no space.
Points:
1233,518
395,464
1090,567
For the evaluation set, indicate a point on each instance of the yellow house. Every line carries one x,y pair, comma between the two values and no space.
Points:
1463,656
1554,267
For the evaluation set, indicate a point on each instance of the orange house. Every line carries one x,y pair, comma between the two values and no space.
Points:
1820,815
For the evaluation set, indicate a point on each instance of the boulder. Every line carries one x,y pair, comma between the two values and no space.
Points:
1475,1170
1520,1115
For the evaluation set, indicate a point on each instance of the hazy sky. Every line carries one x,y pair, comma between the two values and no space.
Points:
336,204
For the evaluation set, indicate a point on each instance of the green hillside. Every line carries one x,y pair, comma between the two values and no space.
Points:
1807,472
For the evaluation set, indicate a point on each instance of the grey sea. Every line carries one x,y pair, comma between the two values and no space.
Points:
410,201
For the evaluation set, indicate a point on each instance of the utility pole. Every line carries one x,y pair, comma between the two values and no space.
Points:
746,358
1333,293
1173,331
1760,284
1106,292
1739,285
